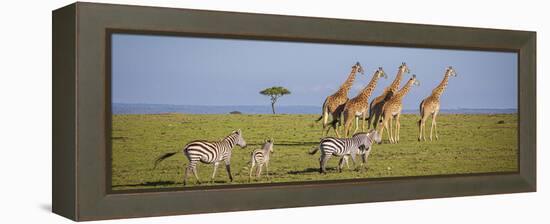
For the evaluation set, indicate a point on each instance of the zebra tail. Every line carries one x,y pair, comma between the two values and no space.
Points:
314,150
163,157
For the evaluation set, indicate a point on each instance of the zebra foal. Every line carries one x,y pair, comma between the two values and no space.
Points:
261,158
359,143
209,153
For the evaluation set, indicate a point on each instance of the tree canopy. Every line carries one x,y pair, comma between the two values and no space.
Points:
275,92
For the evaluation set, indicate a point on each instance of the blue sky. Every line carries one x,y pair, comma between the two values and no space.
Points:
208,71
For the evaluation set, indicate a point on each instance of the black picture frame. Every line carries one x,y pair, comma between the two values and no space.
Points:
81,111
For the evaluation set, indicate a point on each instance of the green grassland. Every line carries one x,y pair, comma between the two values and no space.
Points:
467,144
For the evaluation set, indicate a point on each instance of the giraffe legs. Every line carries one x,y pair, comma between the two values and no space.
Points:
370,118
376,120
336,131
434,123
363,117
397,127
432,127
422,127
422,135
356,124
325,122
384,125
390,119
347,123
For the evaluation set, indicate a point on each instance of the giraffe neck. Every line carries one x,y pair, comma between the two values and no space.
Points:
367,91
403,91
441,87
344,89
395,84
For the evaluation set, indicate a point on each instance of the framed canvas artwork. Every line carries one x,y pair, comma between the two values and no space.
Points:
201,111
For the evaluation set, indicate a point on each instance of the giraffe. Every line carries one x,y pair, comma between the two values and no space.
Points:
334,104
430,106
358,106
375,108
392,109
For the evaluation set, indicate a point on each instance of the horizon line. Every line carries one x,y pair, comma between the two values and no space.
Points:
293,105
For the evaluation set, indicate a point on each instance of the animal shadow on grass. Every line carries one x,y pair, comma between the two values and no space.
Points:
310,170
296,143
148,184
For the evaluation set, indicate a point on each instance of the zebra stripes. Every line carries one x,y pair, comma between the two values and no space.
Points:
261,157
360,143
209,153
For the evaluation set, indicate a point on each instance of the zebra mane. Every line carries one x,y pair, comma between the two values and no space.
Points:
232,138
360,133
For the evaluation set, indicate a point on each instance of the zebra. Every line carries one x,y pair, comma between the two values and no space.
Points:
209,153
261,157
359,143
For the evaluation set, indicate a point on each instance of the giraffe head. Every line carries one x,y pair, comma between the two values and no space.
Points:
451,71
414,81
404,68
381,73
358,68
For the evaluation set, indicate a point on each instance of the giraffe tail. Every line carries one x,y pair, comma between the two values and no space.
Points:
421,107
322,112
334,122
421,111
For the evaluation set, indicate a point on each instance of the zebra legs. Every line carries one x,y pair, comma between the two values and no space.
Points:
185,175
253,163
323,163
259,170
228,168
341,163
214,173
191,167
267,169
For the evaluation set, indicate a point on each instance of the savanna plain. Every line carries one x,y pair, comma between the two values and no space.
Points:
468,143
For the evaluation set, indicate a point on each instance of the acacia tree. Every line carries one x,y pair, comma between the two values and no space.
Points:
275,92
